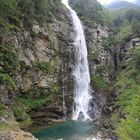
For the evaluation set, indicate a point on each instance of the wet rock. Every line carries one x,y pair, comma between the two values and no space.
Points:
26,84
43,83
13,132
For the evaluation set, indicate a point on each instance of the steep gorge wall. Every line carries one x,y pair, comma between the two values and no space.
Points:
33,93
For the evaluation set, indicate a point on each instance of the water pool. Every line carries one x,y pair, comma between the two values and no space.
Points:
68,130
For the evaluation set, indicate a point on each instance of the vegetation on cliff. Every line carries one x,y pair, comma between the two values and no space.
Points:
19,17
91,12
128,100
126,86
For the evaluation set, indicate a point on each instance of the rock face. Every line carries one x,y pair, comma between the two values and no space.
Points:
102,67
125,50
16,135
100,59
51,46
10,129
42,78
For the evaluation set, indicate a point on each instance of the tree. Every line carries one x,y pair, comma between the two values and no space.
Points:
27,9
9,16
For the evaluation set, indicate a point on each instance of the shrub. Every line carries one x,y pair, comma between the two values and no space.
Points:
6,80
137,57
42,65
4,126
2,110
10,59
99,83
32,103
9,14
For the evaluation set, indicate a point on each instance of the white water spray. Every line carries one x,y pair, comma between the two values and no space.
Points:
81,70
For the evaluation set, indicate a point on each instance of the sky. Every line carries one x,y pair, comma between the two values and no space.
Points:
109,1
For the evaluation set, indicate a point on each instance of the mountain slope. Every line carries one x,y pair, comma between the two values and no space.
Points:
120,5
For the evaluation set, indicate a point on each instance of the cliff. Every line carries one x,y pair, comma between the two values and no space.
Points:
33,68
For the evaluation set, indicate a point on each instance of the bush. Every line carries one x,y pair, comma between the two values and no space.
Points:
2,110
9,14
4,126
31,103
41,11
18,111
99,83
6,80
109,42
10,59
42,65
137,57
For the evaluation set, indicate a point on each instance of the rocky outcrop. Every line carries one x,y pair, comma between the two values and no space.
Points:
100,59
16,135
45,58
101,66
10,129
125,49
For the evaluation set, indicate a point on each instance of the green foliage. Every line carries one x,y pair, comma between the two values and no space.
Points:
8,8
12,12
91,12
10,65
132,14
128,88
119,36
99,83
2,110
136,26
109,42
42,65
127,17
18,111
129,130
4,127
22,116
124,33
32,103
10,59
9,14
6,80
137,57
27,10
41,11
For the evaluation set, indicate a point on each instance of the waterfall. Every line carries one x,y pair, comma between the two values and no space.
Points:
81,74
64,105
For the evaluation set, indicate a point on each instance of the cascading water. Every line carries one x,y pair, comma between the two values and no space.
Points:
81,70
